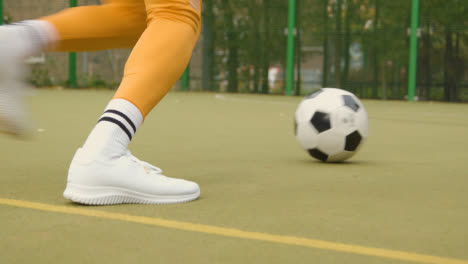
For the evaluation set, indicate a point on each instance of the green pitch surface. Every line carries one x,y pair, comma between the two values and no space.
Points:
402,199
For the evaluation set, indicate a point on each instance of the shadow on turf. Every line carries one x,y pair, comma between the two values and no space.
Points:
342,163
78,205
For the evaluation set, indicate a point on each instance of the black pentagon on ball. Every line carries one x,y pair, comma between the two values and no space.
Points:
350,102
321,121
316,153
314,94
352,141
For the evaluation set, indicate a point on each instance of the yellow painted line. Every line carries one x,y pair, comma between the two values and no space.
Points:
236,233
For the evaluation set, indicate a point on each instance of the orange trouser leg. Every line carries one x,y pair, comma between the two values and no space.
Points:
116,24
162,52
165,32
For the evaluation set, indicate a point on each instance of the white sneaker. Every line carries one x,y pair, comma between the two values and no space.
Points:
14,118
13,115
124,180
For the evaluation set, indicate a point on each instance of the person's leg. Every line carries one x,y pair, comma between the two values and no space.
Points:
162,53
103,171
116,24
156,62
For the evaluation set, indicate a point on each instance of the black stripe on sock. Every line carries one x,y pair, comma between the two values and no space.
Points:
117,122
124,117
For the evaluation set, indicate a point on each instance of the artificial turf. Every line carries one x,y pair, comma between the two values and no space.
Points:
406,189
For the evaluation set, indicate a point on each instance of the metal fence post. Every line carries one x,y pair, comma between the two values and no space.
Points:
290,47
185,79
1,12
413,53
72,59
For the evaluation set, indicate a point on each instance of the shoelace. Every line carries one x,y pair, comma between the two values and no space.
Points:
151,168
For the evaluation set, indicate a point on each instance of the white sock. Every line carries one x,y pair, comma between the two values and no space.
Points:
28,38
114,130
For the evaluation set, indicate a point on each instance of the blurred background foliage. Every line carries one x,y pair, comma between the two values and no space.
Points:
358,45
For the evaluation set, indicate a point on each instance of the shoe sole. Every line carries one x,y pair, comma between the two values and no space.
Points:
113,195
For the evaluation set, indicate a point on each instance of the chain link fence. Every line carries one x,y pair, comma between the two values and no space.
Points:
358,45
101,69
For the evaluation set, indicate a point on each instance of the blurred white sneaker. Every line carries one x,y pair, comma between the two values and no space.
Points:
123,180
13,116
18,42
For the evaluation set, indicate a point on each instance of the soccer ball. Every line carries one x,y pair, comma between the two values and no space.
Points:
331,124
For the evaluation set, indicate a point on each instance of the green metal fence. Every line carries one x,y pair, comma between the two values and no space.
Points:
1,12
374,48
72,81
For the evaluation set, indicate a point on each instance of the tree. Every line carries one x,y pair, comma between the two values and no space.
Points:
350,12
208,34
232,45
248,38
338,46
